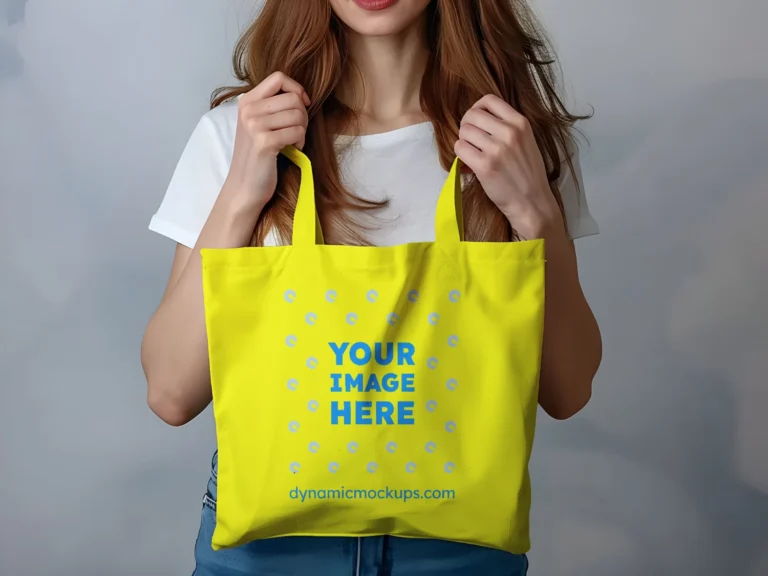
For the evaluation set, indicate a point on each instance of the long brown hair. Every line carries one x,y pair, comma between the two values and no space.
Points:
477,47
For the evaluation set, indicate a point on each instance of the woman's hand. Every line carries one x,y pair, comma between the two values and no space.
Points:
496,142
271,116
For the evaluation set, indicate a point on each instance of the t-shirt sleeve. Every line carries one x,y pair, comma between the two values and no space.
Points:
571,186
195,184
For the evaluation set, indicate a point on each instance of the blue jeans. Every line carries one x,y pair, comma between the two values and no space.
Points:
328,556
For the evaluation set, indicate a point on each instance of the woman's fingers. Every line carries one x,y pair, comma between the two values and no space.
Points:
476,136
279,103
274,85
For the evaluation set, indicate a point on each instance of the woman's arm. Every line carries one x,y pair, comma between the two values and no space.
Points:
498,144
572,343
174,351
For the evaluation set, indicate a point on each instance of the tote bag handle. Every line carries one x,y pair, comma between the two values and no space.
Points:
449,218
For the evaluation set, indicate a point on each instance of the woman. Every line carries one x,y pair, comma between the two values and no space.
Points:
381,95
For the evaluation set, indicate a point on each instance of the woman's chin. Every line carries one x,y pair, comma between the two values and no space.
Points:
379,17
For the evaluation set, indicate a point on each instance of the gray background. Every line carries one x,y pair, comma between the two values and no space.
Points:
666,472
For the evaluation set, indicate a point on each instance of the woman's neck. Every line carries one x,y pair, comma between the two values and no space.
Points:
385,94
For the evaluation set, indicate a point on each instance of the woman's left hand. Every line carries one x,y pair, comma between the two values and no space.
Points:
497,143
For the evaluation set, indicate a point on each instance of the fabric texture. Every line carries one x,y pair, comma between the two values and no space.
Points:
401,166
363,390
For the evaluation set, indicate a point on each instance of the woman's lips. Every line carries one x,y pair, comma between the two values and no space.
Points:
375,4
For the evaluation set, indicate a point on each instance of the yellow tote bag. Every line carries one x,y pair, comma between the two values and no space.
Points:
375,390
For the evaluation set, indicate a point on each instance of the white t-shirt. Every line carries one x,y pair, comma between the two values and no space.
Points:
401,166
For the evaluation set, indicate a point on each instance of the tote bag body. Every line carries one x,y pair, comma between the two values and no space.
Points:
375,390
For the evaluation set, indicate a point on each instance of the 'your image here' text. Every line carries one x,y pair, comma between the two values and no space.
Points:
367,412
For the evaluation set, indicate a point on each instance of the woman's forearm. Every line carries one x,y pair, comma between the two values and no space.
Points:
572,347
174,350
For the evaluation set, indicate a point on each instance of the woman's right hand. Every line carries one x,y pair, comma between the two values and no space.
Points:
271,116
